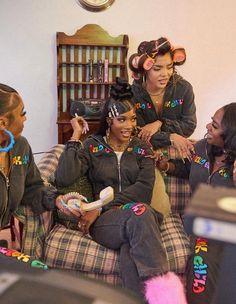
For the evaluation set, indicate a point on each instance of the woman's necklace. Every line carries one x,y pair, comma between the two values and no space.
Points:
4,163
118,147
156,94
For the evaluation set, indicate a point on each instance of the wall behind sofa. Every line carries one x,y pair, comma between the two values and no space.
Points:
28,29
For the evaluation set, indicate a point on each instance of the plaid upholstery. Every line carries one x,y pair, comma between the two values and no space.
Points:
178,189
60,247
68,249
49,161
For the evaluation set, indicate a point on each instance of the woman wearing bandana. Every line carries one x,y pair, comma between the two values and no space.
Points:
115,157
166,111
212,162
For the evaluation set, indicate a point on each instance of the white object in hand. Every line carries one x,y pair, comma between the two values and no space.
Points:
75,201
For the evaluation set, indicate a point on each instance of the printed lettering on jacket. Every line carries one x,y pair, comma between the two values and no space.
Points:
200,268
20,160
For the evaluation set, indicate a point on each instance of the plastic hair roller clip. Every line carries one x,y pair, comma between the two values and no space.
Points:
76,201
179,55
148,64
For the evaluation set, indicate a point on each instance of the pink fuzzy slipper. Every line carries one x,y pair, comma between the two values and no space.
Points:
165,289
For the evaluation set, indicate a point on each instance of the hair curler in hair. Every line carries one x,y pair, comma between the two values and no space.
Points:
179,55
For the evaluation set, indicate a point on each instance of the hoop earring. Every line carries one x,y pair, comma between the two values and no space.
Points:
11,143
108,131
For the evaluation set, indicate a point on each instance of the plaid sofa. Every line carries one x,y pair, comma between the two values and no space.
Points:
63,248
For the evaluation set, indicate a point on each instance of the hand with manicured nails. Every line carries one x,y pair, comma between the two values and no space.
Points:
149,130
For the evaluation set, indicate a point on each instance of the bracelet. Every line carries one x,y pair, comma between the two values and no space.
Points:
172,142
166,170
75,140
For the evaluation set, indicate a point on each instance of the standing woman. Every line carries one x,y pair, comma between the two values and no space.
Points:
20,181
114,157
165,104
213,162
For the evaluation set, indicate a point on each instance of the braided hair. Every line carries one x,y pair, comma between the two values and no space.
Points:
119,102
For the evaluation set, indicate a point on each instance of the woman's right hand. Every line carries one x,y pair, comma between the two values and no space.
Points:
183,145
79,125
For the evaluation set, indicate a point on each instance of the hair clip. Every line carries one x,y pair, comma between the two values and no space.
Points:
113,112
154,53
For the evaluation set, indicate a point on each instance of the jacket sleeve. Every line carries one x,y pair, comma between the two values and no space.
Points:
182,168
36,194
141,190
73,163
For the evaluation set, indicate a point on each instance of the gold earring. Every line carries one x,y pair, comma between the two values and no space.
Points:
108,133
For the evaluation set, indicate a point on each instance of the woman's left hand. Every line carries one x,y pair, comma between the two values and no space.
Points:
148,130
66,210
87,220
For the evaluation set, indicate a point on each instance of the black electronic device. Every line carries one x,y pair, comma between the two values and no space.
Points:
87,108
56,287
211,214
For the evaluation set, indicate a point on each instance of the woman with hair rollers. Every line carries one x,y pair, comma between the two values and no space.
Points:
115,157
165,104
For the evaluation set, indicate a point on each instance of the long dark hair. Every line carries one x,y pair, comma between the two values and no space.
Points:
120,99
228,124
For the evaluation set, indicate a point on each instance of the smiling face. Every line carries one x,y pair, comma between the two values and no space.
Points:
159,75
122,126
215,130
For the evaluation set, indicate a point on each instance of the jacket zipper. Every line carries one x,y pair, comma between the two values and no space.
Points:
118,162
119,173
6,179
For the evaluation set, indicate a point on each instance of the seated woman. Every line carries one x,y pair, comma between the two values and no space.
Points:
20,181
213,162
165,104
115,157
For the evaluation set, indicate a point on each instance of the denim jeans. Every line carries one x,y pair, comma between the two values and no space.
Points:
134,230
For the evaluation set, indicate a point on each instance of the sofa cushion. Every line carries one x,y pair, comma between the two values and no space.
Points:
69,249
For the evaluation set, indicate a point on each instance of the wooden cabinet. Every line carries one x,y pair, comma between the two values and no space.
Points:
87,64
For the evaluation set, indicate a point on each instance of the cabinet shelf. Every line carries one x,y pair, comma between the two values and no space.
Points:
95,64
85,83
88,63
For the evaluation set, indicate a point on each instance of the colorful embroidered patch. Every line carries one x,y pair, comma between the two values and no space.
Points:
137,150
224,172
173,103
201,161
22,258
200,269
20,160
98,148
143,106
137,208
